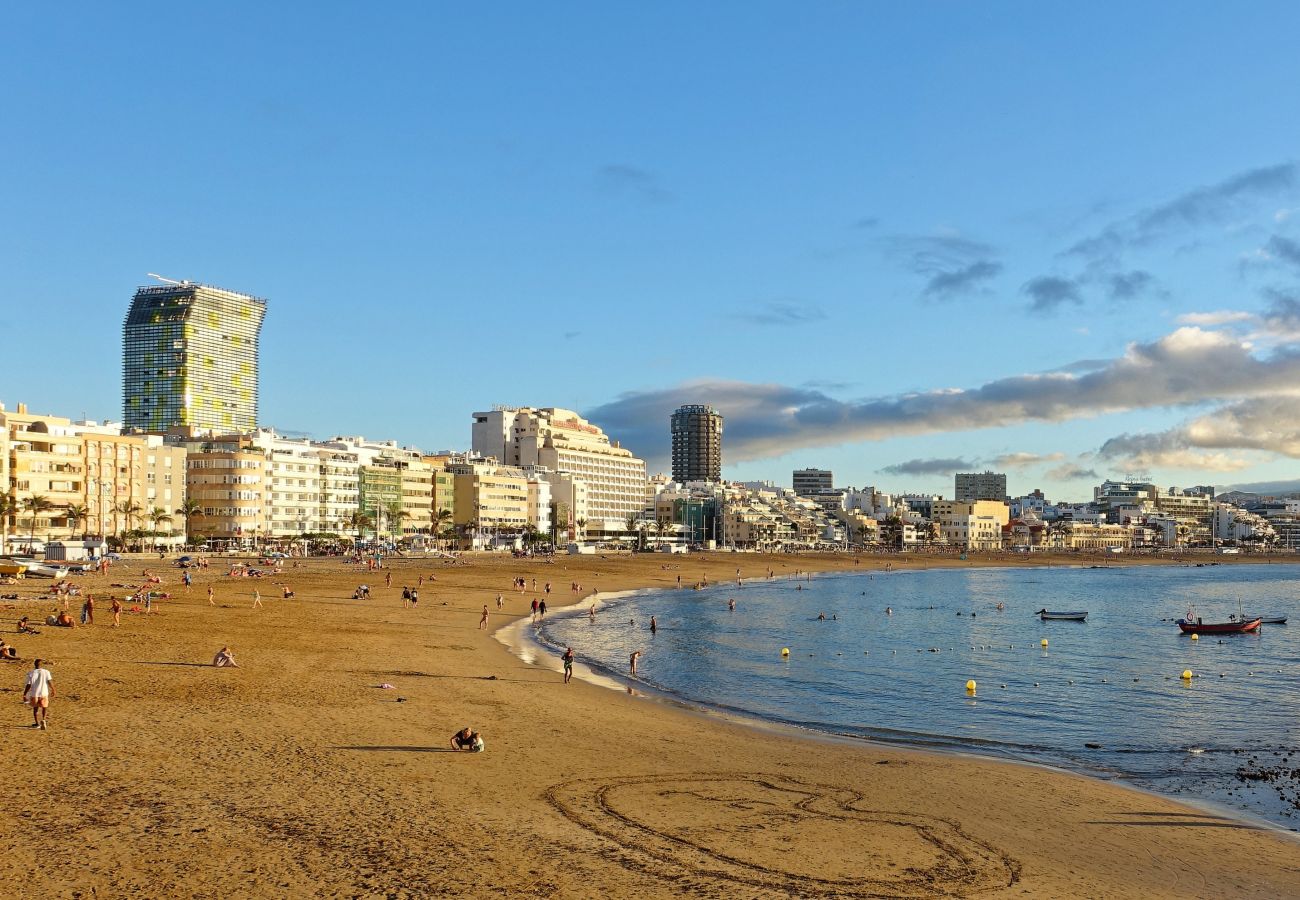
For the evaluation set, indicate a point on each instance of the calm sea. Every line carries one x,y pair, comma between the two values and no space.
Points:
1104,697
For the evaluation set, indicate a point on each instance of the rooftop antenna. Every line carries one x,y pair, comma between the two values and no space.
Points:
167,280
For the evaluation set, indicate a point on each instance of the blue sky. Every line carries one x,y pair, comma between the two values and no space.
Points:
891,240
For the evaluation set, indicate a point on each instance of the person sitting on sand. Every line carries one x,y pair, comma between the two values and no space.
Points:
225,659
7,652
25,627
467,739
288,592
63,620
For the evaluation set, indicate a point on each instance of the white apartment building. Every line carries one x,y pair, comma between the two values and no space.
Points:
563,442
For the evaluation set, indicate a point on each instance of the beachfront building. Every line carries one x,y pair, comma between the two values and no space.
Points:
227,477
1234,525
91,480
44,472
971,525
190,359
492,500
807,481
340,487
970,486
443,511
561,441
132,482
293,470
1089,536
697,443
1190,512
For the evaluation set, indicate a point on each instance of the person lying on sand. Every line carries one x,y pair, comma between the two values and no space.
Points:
225,659
62,620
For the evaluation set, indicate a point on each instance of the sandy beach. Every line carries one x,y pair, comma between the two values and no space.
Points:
296,775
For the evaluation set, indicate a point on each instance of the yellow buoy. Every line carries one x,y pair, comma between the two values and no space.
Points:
785,651
970,685
1187,674
1044,642
1196,637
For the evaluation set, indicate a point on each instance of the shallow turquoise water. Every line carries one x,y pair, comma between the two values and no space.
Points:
1112,681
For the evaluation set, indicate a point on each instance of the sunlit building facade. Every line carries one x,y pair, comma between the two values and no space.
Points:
190,360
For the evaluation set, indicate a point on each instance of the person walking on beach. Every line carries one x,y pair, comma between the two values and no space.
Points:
632,661
257,598
388,579
500,601
211,602
541,610
88,611
592,613
482,623
187,580
534,609
37,691
117,612
568,664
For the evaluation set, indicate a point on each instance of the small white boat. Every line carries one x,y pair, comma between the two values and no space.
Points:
1078,615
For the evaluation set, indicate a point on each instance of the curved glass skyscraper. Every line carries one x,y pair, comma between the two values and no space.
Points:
189,359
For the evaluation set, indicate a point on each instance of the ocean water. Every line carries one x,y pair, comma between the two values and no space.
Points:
1104,697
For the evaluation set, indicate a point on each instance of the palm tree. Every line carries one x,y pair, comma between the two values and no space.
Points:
35,505
358,520
76,515
440,519
129,510
190,509
159,516
9,506
395,515
582,529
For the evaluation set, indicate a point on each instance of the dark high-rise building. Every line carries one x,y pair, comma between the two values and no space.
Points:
810,481
189,358
980,486
697,444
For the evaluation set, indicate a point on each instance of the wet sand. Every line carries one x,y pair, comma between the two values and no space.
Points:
297,776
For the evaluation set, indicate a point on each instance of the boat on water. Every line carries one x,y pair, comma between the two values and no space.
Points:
1269,620
1077,615
1197,626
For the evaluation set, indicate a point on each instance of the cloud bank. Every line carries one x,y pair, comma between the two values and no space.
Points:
1186,368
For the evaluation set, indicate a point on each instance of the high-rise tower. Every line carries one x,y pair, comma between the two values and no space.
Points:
189,358
697,444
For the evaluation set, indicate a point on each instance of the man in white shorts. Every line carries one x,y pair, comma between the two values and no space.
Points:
38,691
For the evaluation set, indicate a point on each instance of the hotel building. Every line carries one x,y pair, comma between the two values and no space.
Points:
189,359
561,441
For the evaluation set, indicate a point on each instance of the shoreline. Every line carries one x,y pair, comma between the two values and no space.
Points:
299,775
532,649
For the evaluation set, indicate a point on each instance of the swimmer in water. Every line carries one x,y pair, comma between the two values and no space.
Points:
889,610
731,604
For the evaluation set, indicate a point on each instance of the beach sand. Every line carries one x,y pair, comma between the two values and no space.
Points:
297,776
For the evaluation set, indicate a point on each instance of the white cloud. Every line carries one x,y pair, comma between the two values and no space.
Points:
1186,368
1218,317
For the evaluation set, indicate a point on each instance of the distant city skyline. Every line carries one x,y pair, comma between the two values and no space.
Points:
869,249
